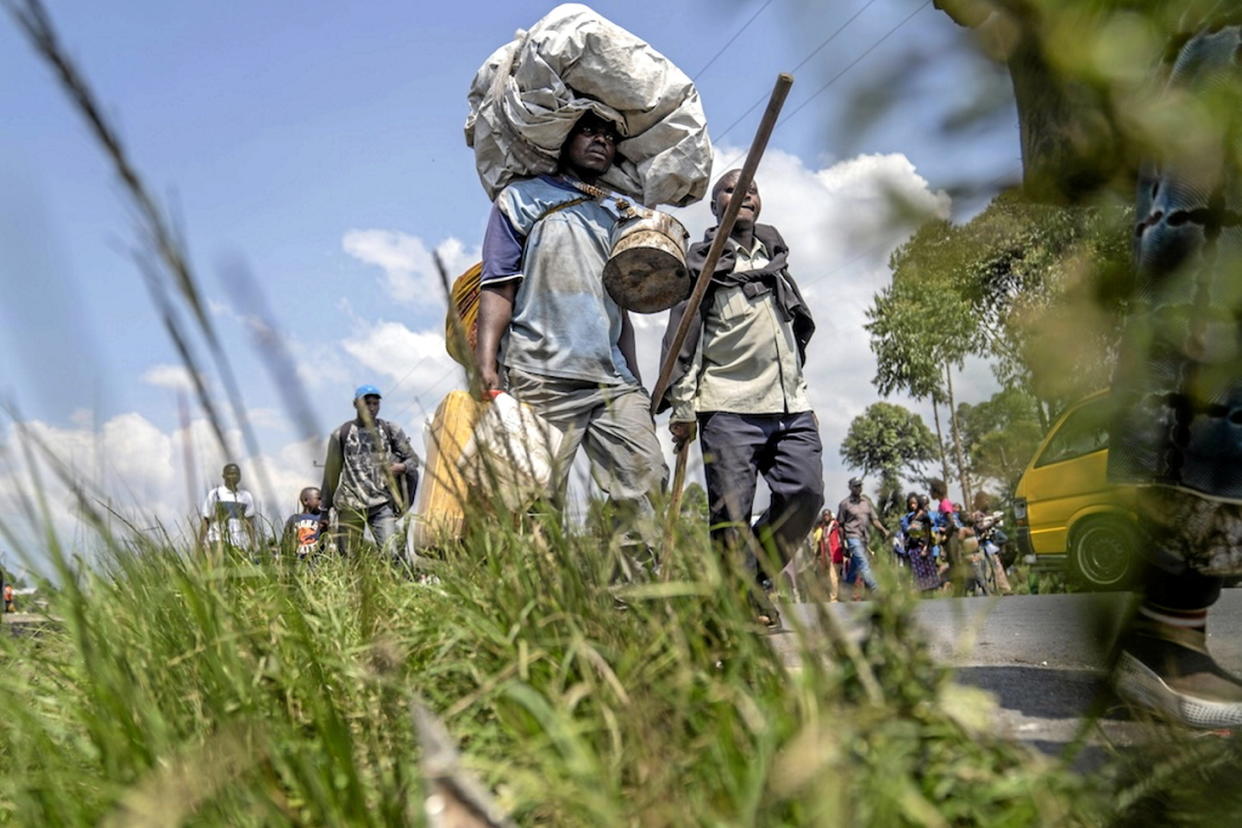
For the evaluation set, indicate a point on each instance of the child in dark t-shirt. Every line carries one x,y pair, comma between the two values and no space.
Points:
302,530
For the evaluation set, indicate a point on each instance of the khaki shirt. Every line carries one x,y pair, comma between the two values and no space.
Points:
747,359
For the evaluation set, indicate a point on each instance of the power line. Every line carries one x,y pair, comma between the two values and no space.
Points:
407,374
837,76
418,398
730,41
854,62
802,63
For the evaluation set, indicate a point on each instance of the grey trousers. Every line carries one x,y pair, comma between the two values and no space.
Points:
612,422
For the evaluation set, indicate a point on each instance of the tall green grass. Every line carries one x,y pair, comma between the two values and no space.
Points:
181,688
176,688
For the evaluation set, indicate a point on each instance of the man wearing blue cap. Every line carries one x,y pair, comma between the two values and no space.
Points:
370,473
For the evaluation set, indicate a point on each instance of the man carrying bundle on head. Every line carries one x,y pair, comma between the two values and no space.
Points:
545,320
739,383
567,120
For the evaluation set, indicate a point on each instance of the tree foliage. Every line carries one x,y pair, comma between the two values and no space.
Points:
1035,289
694,502
890,440
1000,435
921,321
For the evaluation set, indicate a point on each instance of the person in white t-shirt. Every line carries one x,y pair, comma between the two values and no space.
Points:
228,513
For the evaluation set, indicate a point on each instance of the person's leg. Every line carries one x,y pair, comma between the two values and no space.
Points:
349,526
1164,662
792,466
998,568
860,563
627,462
731,444
383,523
835,576
799,561
565,404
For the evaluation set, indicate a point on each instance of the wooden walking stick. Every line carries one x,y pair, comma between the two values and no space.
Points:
674,500
779,92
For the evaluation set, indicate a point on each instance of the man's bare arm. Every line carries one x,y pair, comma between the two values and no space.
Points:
495,311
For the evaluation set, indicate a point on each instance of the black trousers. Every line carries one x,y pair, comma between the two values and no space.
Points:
784,449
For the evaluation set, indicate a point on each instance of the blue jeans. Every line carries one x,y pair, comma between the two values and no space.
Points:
860,563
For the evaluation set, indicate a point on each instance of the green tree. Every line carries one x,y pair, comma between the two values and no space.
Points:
1035,289
694,503
923,325
890,440
1000,435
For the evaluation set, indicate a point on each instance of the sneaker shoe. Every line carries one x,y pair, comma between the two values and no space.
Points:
1179,680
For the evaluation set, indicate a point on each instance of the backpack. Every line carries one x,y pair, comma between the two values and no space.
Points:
407,483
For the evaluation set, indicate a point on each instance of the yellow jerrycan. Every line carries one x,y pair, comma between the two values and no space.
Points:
439,509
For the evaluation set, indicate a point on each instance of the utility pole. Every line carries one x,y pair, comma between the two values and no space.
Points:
944,460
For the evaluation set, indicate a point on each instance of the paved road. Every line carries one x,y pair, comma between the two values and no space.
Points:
1042,656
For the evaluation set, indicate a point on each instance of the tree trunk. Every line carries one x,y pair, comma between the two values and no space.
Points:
1041,411
1070,146
944,460
957,441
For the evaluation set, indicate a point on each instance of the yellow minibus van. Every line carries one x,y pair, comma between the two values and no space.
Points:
1068,515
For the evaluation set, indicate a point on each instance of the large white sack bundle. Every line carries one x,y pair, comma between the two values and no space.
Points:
512,454
530,92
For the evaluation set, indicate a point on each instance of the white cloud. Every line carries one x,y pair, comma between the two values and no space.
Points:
172,377
147,476
266,418
412,368
410,274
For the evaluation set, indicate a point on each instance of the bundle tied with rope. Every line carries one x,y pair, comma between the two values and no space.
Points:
528,95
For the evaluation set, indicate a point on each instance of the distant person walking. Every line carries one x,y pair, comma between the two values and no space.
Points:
949,520
921,532
830,552
857,516
370,474
228,514
303,530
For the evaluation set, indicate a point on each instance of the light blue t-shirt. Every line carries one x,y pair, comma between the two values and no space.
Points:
564,322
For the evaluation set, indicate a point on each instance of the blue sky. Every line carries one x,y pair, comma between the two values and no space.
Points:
277,128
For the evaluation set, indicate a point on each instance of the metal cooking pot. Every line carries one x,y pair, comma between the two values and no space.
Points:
646,271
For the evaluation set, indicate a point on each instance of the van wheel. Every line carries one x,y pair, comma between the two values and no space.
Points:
1103,555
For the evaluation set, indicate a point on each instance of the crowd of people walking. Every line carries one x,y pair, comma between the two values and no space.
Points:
942,547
